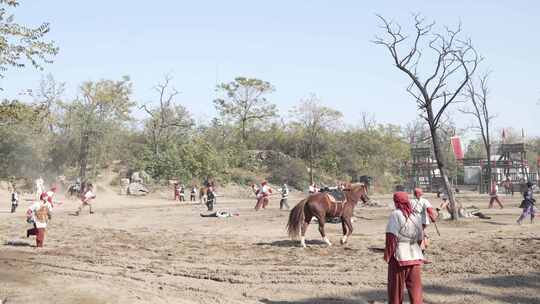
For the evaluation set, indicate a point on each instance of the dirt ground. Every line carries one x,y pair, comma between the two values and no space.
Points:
153,250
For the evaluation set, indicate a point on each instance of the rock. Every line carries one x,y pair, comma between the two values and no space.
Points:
137,189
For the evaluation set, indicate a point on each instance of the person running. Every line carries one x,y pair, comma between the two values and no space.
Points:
528,204
494,195
284,196
403,253
193,193
14,200
423,208
86,199
38,214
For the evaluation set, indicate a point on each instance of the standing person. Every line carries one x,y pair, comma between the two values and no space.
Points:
86,199
50,195
262,195
14,200
39,187
403,253
210,198
423,208
284,197
182,193
38,214
527,204
494,195
176,191
193,193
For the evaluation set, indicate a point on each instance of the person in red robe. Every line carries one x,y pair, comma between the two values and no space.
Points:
403,253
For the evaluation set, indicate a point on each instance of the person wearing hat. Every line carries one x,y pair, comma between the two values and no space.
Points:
262,195
528,204
402,252
284,197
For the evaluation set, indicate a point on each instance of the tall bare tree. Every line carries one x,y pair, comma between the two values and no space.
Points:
477,95
314,119
451,59
167,118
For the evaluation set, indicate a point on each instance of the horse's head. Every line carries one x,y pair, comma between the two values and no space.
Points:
357,191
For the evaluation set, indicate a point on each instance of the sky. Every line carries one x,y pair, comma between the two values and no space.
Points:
301,47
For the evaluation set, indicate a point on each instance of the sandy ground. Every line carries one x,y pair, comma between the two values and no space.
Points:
152,250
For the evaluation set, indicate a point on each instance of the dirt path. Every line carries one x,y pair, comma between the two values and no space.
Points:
151,250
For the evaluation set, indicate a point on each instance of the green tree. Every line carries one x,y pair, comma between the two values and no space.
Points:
244,102
314,119
94,118
20,44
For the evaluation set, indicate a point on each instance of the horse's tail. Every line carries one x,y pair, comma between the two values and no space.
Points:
296,218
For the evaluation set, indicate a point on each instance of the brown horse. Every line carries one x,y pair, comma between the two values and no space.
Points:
321,206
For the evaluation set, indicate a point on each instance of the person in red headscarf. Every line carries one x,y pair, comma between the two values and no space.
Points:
262,195
402,252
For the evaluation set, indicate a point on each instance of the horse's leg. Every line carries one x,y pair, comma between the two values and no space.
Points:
348,222
322,220
344,226
303,230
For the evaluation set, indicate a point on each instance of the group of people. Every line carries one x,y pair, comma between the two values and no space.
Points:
179,193
39,213
263,193
407,240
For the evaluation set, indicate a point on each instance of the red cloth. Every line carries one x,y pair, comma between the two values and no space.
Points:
400,277
401,200
40,235
390,247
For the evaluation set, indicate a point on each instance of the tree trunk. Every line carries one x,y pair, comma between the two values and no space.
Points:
441,164
83,155
311,178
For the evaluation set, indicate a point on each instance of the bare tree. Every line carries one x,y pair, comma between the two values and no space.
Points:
478,98
167,117
314,119
452,61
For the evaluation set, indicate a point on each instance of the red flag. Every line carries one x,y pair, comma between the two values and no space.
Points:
456,145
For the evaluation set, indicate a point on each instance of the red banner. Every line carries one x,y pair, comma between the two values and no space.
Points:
456,145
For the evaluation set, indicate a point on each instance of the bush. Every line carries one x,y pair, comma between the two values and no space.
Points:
293,172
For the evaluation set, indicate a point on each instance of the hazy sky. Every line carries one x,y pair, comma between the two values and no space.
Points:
318,46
